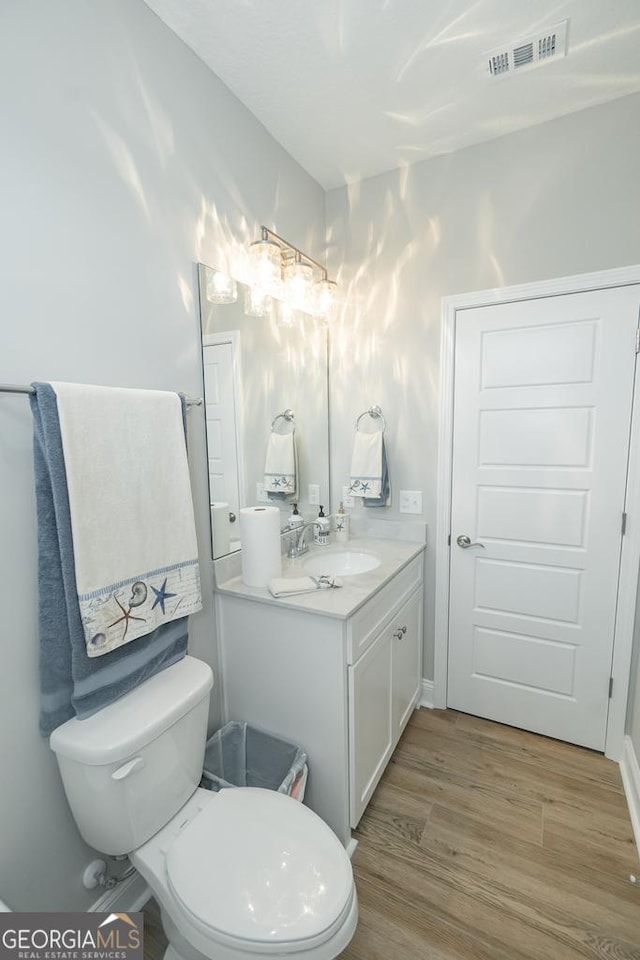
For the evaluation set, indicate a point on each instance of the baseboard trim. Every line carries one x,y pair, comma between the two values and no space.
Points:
426,697
127,897
630,773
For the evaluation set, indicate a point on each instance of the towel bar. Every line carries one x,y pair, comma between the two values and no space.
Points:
375,413
23,388
287,415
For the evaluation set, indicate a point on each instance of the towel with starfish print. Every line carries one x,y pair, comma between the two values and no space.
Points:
366,478
134,541
71,683
281,466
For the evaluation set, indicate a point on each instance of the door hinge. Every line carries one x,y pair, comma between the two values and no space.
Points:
637,339
623,527
610,687
449,540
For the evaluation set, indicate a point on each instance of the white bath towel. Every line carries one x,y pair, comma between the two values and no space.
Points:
281,466
134,541
366,465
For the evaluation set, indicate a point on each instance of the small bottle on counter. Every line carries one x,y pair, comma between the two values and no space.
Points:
342,524
321,528
295,519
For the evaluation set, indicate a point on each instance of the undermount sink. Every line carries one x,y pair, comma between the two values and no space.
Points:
341,563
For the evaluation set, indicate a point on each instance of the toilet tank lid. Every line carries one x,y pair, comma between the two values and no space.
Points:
136,719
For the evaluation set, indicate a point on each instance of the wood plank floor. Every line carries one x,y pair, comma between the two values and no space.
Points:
483,842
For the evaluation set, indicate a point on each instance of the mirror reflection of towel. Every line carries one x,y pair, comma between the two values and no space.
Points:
281,466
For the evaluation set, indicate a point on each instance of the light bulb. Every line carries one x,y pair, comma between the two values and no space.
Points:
267,265
325,295
298,283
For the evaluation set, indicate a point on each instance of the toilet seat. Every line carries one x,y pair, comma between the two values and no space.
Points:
260,872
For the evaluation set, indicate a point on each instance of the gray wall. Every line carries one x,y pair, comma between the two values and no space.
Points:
125,161
558,199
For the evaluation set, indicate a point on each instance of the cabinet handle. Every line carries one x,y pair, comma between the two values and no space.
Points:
400,632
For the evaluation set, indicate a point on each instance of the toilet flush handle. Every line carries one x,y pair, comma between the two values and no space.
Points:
127,768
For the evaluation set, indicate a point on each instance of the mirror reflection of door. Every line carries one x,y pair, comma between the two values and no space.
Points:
220,356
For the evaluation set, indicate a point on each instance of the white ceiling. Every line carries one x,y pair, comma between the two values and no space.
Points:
352,88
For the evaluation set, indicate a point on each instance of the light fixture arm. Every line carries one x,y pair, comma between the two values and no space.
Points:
289,249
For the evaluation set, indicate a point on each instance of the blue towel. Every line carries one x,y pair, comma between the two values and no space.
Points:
71,683
385,486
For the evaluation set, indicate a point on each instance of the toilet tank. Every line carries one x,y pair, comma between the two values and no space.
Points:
130,767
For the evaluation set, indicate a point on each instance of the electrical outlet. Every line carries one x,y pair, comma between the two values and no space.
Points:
411,501
261,496
314,493
347,499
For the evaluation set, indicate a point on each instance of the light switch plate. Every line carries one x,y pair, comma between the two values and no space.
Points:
314,493
411,501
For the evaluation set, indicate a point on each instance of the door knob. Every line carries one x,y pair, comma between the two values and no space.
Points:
465,542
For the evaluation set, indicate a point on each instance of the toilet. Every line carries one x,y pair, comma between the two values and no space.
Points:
239,874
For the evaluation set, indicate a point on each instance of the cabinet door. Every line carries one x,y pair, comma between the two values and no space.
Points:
406,661
371,721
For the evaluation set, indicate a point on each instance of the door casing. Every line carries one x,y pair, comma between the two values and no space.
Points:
630,558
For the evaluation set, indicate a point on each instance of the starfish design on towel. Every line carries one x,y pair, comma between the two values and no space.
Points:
362,485
161,595
126,616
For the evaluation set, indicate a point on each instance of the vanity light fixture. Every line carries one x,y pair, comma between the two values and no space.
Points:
267,263
298,283
286,313
326,295
284,271
257,303
221,288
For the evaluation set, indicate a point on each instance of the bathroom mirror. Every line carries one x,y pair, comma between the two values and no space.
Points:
254,370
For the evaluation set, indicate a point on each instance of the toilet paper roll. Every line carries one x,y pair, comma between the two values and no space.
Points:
260,535
220,528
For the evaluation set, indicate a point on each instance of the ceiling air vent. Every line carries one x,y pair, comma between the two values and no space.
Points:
531,52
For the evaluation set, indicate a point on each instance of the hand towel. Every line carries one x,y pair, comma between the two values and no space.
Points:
71,681
281,466
366,465
384,500
290,586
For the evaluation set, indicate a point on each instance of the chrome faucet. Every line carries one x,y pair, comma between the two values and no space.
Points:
299,544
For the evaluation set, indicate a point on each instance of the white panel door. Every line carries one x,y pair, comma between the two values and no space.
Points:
542,409
221,421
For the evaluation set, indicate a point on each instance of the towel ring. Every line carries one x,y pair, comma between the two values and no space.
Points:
375,413
288,415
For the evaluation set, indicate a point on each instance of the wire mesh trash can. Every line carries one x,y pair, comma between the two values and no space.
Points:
240,755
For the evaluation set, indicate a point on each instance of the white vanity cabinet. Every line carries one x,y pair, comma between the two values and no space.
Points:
342,686
384,686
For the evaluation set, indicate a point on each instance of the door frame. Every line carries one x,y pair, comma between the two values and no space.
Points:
630,556
232,337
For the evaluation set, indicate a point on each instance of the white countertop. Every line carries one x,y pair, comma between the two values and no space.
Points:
355,591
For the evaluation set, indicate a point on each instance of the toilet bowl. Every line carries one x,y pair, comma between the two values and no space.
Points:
238,874
249,873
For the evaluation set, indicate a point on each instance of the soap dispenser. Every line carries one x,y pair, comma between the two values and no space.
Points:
321,528
342,524
295,520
